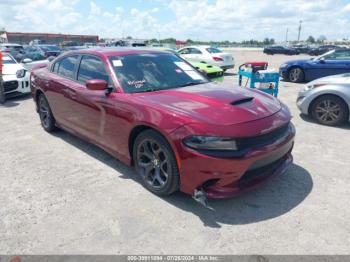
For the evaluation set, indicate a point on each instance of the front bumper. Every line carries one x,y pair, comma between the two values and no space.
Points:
303,101
16,86
223,177
225,67
283,72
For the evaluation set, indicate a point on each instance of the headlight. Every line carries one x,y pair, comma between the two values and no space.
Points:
210,143
312,86
284,65
21,73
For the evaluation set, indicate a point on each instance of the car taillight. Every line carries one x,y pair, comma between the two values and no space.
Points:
217,58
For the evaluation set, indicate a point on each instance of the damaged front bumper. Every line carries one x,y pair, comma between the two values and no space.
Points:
217,177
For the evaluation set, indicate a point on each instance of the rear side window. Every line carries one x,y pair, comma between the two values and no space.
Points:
66,66
184,51
213,50
92,68
340,55
195,51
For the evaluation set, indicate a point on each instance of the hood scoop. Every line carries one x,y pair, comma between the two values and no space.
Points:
242,101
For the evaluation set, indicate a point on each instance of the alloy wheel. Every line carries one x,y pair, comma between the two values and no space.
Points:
44,112
294,74
328,111
153,163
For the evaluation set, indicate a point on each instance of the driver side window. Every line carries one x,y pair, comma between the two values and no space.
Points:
340,55
92,68
195,51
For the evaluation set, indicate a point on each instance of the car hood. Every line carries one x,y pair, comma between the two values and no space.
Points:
213,103
11,69
298,62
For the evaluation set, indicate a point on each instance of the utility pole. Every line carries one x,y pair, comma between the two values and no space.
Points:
2,91
158,37
299,30
287,35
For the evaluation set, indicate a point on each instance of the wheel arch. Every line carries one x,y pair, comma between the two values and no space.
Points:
328,94
38,92
297,66
138,129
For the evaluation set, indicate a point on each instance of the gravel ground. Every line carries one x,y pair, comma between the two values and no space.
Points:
61,195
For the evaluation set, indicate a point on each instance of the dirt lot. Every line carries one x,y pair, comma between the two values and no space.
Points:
61,195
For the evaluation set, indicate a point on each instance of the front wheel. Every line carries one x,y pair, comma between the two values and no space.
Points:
329,110
46,117
296,75
155,162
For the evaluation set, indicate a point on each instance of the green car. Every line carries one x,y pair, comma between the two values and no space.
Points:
214,73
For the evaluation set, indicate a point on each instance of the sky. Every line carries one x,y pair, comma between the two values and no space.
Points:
216,20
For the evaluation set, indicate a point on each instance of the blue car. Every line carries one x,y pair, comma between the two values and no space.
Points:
331,63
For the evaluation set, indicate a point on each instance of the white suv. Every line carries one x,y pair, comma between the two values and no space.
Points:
209,55
15,77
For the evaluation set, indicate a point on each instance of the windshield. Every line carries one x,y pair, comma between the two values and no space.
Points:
213,50
152,72
323,55
8,60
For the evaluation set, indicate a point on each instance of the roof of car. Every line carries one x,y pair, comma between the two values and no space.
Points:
115,51
9,44
197,46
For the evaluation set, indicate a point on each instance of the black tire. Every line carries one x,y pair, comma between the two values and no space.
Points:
47,119
152,152
296,75
329,110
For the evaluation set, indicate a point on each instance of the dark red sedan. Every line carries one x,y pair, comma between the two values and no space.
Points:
153,110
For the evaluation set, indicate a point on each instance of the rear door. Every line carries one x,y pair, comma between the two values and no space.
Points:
61,79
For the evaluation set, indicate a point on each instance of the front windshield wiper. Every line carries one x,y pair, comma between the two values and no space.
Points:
179,86
147,90
190,84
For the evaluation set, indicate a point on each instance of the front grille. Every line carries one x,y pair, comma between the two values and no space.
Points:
260,172
249,142
216,74
10,86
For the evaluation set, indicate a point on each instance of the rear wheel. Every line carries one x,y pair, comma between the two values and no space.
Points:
296,75
46,117
329,110
156,164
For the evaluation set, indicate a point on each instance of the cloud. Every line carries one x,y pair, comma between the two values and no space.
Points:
233,20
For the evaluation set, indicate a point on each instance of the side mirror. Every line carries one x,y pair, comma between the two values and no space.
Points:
27,60
322,60
96,84
50,58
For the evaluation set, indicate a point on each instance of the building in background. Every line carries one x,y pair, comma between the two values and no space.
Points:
46,38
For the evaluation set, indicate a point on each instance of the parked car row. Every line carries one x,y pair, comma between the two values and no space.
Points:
32,52
300,49
174,119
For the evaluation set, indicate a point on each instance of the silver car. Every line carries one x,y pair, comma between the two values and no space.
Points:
326,99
